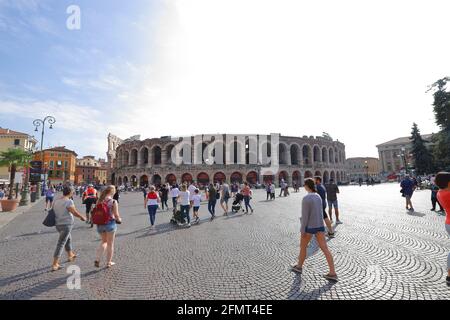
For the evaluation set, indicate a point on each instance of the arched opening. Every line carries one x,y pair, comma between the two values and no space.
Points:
126,158
144,156
134,157
219,177
125,180
308,174
317,174
134,181
268,178
336,160
295,155
157,155
119,181
170,157
203,179
143,182
316,154
331,155
187,177
296,177
326,177
283,175
306,152
338,177
332,176
324,155
236,177
282,154
156,180
171,179
252,177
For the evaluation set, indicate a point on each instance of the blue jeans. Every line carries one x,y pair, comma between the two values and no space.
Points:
65,239
174,202
212,207
247,203
185,212
152,212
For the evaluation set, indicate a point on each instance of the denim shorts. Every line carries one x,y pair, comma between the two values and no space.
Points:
49,199
332,204
196,209
314,230
110,227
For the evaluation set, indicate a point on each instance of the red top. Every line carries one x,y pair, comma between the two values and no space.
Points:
152,195
246,191
443,197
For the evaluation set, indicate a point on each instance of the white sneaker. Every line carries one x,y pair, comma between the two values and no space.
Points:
338,222
188,225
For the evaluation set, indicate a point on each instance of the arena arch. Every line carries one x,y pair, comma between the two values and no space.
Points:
203,178
236,177
306,154
295,154
316,153
252,177
171,179
186,177
219,177
157,155
143,181
326,177
325,155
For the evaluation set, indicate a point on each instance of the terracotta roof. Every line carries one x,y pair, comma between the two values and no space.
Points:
4,131
404,140
61,149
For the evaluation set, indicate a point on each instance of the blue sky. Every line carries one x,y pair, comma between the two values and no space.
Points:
355,69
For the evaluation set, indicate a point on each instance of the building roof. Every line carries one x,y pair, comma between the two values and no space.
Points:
4,131
404,140
61,149
361,158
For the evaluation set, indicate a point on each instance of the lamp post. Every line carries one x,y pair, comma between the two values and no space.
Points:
37,123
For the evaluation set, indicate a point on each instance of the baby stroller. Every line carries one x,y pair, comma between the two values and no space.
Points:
177,217
237,203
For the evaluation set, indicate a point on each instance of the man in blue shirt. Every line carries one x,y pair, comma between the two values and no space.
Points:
407,191
323,194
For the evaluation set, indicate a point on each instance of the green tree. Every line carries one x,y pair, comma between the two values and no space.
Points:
441,109
422,156
14,159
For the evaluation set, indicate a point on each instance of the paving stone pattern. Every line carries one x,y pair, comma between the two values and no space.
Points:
380,252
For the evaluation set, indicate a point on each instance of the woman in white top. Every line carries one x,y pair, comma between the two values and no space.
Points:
174,192
196,200
151,203
184,200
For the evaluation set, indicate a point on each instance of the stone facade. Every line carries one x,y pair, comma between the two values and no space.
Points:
363,167
138,162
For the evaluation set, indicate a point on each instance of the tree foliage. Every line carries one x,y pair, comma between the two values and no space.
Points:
441,109
14,159
422,157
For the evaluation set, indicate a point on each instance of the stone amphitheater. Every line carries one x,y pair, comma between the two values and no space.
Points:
139,162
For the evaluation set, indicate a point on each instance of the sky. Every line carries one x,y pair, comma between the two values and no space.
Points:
358,70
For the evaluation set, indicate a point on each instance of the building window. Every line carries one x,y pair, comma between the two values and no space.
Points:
17,142
52,154
66,164
51,164
59,163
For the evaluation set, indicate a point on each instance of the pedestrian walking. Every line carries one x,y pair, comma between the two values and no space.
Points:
89,198
332,191
268,196
116,195
407,190
196,200
174,193
108,231
224,198
164,196
152,203
234,189
247,193
272,191
282,186
322,192
212,200
442,180
65,210
49,197
185,203
312,224
434,200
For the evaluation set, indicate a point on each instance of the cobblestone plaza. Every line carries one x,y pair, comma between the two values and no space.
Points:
380,251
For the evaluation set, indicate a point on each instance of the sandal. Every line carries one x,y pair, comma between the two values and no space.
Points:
331,277
97,264
72,258
56,268
296,269
110,264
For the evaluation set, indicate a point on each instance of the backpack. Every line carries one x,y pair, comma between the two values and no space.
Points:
101,214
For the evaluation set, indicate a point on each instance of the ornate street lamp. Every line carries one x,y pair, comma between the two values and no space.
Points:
37,123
